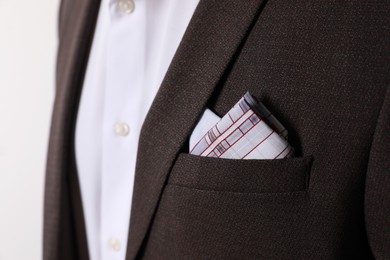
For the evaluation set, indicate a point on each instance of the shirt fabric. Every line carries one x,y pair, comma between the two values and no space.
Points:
129,58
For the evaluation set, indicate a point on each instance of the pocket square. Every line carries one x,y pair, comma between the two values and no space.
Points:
247,131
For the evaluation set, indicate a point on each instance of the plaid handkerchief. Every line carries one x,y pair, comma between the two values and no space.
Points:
247,131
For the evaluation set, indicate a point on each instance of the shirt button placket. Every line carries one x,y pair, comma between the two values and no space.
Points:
126,6
122,129
114,244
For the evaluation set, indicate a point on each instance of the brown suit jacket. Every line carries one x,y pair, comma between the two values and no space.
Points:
321,66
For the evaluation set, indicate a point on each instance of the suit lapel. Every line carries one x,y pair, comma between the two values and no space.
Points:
214,35
76,32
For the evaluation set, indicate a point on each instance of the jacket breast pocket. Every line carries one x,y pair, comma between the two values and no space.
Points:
232,209
248,176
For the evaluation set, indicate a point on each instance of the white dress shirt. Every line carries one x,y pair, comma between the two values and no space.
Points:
134,43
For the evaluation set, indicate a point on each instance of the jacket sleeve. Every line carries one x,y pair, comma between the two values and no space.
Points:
377,194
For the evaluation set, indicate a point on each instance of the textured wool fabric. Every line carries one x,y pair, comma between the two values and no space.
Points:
260,175
377,185
322,68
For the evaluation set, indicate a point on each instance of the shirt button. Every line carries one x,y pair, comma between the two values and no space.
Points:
122,129
114,244
126,6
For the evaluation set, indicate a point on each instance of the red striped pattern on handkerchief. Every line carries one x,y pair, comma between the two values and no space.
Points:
244,134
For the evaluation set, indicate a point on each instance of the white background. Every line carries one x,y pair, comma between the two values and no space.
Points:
28,43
